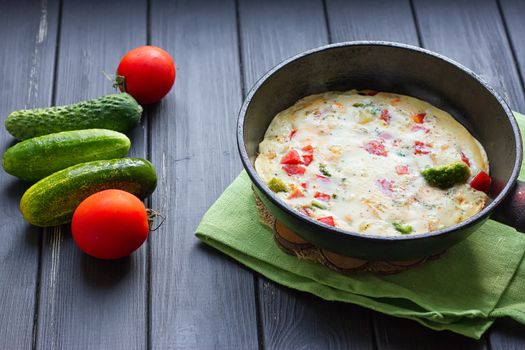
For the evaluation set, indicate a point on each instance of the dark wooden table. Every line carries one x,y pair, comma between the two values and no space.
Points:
174,292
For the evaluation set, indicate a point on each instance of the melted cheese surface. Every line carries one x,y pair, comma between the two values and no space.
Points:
360,158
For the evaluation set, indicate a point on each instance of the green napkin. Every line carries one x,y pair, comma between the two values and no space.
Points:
464,291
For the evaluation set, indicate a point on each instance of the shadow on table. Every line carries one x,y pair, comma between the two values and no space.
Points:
105,273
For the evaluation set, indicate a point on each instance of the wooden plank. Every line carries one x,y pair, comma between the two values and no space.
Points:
513,11
84,302
371,20
270,32
382,20
473,34
28,33
199,298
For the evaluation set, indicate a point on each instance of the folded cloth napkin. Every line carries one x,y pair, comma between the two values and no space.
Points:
464,291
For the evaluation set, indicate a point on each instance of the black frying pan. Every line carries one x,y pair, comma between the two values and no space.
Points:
406,70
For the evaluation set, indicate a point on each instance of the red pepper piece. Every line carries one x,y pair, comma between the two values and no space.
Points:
305,211
308,149
481,182
294,169
416,128
323,178
402,169
322,196
328,220
386,185
419,118
376,147
296,193
385,116
307,159
421,147
304,185
465,159
292,133
292,157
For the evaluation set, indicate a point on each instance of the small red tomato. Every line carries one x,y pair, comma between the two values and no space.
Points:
481,182
110,224
147,73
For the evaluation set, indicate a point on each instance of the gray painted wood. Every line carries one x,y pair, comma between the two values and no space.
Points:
371,20
473,34
513,12
84,302
28,33
199,298
270,32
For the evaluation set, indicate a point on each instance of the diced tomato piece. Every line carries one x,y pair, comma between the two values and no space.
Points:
308,149
292,133
292,157
376,147
421,147
385,135
304,185
465,159
294,169
386,185
329,220
305,211
307,159
323,178
402,169
322,196
372,93
481,182
419,118
385,116
296,193
416,128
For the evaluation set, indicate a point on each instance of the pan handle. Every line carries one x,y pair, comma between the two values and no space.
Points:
512,210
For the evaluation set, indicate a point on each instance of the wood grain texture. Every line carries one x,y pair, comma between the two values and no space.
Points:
371,20
28,33
87,303
473,34
272,31
513,12
199,298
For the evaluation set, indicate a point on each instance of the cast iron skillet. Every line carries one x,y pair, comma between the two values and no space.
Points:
403,69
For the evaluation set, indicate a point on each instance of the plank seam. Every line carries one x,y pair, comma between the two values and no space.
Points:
416,24
149,201
511,44
38,282
327,22
256,277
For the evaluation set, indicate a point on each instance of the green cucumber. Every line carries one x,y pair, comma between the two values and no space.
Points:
119,112
36,158
52,200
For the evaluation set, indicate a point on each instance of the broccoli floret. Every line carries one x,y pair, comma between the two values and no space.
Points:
447,176
277,185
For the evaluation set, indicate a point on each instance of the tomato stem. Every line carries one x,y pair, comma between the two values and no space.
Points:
120,83
152,216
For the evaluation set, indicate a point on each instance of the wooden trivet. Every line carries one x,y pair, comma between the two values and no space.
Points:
289,242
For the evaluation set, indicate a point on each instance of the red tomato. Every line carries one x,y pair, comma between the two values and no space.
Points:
294,169
481,182
419,118
421,147
307,159
110,224
465,159
322,196
402,169
147,73
292,157
329,220
296,193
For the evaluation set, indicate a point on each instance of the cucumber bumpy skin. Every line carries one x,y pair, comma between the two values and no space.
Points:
53,200
119,112
38,157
